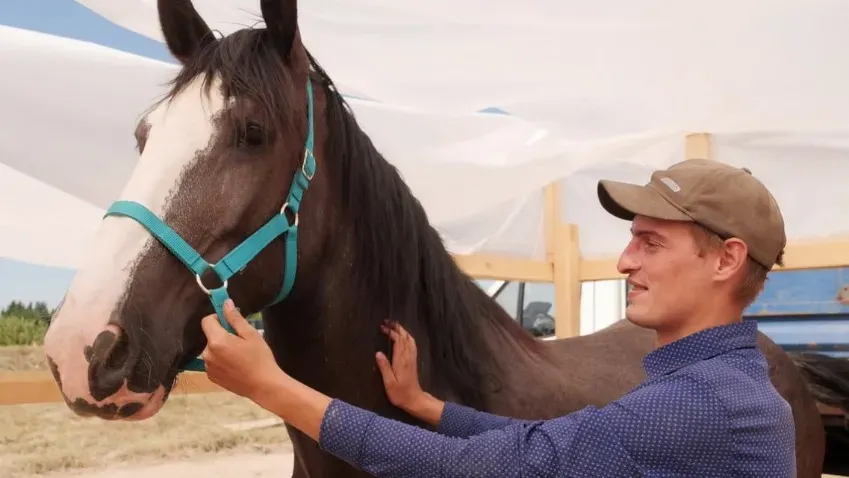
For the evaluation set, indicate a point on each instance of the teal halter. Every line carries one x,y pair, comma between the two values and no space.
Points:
238,258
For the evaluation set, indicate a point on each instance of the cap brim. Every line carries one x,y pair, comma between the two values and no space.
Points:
624,200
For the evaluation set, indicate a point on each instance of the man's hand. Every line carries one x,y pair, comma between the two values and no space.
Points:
243,363
401,377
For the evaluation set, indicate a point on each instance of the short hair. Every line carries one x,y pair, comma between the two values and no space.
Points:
754,276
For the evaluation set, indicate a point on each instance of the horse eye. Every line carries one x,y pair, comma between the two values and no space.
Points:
252,135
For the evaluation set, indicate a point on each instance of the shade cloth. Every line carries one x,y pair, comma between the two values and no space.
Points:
593,90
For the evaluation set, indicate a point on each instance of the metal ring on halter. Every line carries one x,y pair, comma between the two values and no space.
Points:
307,154
283,212
203,287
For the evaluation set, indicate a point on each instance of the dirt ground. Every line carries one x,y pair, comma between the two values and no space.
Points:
197,433
45,439
245,465
17,358
210,435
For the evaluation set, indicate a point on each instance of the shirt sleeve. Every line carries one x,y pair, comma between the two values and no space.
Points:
682,429
462,422
579,444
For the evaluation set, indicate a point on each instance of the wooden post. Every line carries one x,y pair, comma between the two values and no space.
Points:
551,218
567,282
563,253
698,146
37,386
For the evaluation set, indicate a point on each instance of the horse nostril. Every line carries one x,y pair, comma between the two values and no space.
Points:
110,362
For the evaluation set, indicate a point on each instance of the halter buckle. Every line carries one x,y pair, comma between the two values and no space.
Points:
307,154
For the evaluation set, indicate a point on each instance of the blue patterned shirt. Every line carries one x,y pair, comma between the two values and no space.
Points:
706,409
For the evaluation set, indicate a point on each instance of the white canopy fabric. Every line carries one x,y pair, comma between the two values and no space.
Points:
595,90
42,224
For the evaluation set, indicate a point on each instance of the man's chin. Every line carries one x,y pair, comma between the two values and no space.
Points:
637,317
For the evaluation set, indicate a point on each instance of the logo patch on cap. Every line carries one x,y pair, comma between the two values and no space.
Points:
670,184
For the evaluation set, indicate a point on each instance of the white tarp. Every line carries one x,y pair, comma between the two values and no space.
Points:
605,89
41,224
594,69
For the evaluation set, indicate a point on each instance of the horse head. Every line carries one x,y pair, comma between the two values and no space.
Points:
205,214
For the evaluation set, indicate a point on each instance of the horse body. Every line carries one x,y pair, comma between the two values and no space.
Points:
366,252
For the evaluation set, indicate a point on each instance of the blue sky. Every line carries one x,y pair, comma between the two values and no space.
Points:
28,282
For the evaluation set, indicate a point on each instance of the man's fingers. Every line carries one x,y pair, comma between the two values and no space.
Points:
399,348
386,371
406,351
403,344
407,339
211,328
240,325
390,332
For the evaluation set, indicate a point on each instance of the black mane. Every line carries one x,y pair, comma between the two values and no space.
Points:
403,268
827,377
406,265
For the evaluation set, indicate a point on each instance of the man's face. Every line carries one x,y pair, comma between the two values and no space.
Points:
668,280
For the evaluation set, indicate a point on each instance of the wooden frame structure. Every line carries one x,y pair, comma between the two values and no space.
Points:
562,266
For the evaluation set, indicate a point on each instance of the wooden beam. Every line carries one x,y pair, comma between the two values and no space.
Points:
488,266
820,254
17,388
825,254
28,387
599,269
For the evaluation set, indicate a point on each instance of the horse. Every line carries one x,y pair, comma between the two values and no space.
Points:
828,379
249,116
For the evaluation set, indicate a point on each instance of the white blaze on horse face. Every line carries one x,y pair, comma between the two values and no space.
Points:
178,130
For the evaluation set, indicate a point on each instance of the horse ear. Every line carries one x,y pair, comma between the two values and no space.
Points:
184,30
281,21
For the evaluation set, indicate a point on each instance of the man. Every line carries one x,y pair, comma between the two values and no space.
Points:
704,236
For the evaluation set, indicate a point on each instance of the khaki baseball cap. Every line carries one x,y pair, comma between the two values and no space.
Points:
728,201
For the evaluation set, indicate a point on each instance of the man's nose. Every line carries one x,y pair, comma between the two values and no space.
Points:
627,263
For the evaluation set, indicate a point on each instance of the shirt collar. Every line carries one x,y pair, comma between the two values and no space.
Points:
700,346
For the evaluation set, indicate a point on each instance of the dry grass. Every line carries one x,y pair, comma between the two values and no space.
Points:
17,358
36,440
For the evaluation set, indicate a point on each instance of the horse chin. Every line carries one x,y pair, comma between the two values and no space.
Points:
151,408
134,407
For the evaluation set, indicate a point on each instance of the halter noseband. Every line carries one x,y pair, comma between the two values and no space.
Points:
237,259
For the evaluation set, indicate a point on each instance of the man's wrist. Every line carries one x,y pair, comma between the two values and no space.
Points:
269,387
295,403
418,404
427,408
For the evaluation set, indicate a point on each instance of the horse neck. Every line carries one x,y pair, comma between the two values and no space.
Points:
327,335
384,261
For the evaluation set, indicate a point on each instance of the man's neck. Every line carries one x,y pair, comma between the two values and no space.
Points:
712,317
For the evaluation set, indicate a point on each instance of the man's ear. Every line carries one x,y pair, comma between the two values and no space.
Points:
731,259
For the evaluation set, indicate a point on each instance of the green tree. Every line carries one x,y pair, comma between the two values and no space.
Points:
24,324
32,310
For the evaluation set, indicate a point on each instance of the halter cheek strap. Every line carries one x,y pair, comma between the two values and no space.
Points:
237,259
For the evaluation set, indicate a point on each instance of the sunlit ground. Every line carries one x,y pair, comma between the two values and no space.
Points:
45,438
